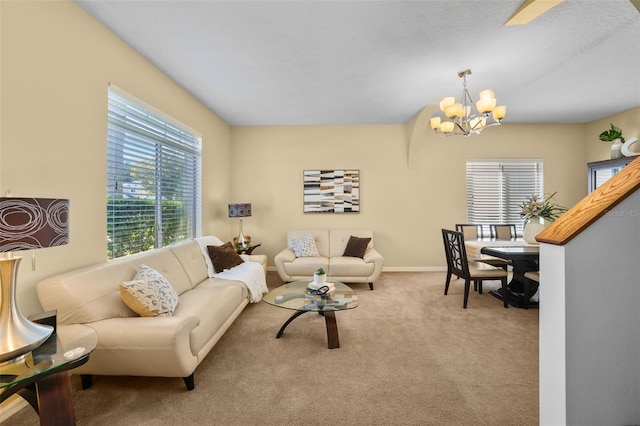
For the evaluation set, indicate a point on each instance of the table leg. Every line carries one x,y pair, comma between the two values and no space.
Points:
291,318
55,400
515,288
332,329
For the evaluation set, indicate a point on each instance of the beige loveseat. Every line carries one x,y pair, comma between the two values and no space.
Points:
330,245
163,346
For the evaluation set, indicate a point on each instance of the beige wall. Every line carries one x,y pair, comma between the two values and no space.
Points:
57,62
406,200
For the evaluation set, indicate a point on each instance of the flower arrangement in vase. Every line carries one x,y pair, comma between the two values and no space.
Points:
535,212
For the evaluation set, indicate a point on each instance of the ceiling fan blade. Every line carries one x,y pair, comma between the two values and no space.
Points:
530,10
636,3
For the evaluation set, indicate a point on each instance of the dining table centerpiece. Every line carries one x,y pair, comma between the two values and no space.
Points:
537,212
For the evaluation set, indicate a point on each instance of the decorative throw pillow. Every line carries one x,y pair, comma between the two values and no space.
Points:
224,257
356,247
149,294
305,247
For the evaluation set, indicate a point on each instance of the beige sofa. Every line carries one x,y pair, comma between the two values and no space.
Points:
167,346
331,246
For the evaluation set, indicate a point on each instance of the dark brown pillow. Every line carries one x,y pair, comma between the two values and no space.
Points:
356,247
224,257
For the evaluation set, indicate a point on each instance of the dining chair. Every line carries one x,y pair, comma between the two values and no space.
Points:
503,232
458,265
470,230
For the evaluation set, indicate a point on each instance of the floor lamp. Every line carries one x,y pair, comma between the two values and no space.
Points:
240,210
25,224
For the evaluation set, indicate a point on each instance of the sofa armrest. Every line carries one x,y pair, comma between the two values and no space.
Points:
372,256
285,256
145,331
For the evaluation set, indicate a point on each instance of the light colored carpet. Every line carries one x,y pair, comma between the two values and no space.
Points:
408,356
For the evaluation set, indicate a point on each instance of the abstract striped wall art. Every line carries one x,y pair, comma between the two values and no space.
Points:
331,191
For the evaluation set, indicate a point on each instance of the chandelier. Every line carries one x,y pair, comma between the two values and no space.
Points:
465,117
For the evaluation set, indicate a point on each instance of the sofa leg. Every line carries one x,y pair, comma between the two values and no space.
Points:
86,380
370,286
189,381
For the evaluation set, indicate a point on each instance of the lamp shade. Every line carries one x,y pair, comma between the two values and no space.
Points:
25,224
33,223
240,210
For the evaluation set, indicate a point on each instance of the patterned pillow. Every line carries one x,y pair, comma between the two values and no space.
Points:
224,257
149,294
305,247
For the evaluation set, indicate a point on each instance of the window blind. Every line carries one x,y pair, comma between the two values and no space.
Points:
496,189
153,178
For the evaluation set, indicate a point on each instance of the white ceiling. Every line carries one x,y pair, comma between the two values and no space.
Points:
364,62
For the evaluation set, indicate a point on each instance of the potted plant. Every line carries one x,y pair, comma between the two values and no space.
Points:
614,134
319,276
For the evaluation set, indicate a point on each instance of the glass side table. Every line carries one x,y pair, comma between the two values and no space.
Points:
41,377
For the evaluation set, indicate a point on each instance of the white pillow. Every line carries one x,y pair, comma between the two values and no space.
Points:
149,294
305,247
203,242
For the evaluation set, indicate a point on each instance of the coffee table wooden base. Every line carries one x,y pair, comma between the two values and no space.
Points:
333,341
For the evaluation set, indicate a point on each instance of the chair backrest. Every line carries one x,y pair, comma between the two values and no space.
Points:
503,232
470,230
456,252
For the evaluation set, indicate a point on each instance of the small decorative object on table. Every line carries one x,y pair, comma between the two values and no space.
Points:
536,212
319,286
614,134
319,276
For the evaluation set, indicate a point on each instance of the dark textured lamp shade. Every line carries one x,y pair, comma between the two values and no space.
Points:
33,223
25,224
240,210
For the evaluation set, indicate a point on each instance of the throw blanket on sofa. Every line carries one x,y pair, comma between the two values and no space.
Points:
250,273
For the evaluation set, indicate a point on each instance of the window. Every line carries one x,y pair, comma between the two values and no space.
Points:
496,189
153,177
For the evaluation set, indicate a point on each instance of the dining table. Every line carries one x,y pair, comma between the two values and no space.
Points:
523,257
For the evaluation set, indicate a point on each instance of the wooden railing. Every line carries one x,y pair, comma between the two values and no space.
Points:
593,206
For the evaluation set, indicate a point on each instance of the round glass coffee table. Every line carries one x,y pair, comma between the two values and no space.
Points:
297,297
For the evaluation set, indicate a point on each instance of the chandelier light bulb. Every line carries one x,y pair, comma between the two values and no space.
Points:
499,112
487,94
446,126
445,102
451,110
435,123
485,105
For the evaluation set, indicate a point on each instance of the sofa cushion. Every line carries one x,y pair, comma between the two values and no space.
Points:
193,260
304,247
356,247
212,302
306,266
224,257
349,267
149,294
